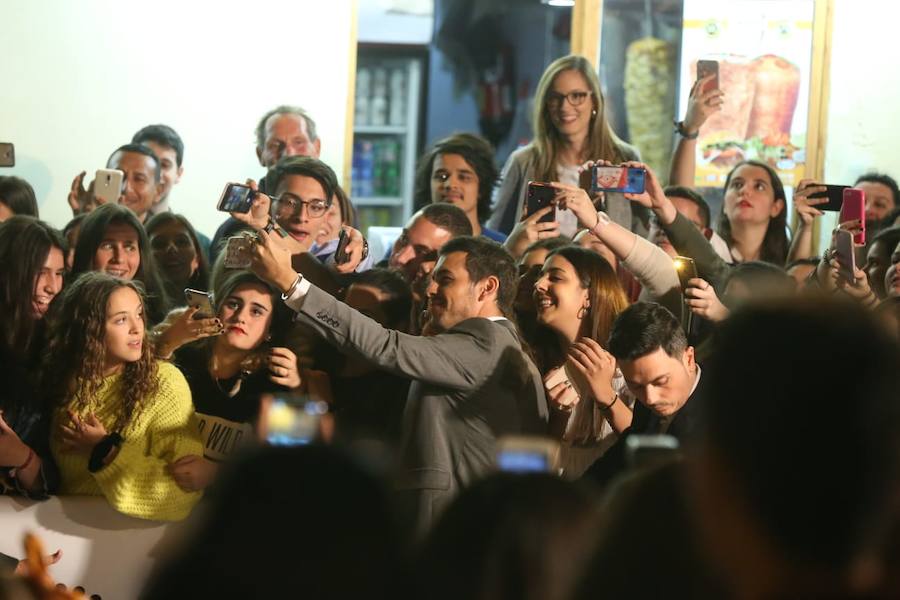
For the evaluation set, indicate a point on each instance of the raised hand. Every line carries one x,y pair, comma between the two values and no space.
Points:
702,105
702,300
180,328
804,205
530,230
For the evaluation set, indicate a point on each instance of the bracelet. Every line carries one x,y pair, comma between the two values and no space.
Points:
101,450
680,130
14,472
870,299
293,288
602,219
606,407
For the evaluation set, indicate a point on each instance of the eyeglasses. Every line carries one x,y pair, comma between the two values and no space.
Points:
555,99
288,203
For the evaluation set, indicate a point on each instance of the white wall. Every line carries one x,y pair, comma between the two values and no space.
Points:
80,78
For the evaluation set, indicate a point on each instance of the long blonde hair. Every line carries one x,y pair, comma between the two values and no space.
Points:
602,142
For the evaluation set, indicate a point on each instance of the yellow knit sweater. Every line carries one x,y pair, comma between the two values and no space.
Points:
136,481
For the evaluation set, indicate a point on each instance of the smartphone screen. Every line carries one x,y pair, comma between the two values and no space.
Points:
835,195
236,198
293,421
541,195
523,461
853,208
705,68
650,450
628,180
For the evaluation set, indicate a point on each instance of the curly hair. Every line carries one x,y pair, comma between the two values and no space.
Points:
479,155
73,369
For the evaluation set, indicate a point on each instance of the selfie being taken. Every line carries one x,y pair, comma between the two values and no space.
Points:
449,299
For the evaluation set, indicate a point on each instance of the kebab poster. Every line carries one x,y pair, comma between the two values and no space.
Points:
764,51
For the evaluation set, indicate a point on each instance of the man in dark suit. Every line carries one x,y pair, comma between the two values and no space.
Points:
472,382
652,352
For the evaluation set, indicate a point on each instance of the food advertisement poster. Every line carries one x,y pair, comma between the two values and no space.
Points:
764,51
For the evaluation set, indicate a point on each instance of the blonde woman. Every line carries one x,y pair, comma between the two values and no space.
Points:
570,128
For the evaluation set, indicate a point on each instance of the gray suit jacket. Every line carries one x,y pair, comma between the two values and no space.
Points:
471,384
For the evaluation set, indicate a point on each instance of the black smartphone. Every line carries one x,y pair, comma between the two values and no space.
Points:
626,180
540,195
835,195
705,68
340,253
7,155
236,198
686,269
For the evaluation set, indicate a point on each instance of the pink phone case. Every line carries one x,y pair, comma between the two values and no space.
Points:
853,208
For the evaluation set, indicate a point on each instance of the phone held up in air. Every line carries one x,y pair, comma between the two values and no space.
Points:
289,420
686,269
202,301
538,196
835,195
7,155
237,252
340,253
853,208
626,180
844,254
705,68
236,198
108,185
527,454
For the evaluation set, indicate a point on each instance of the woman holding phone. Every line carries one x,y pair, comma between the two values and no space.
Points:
112,240
570,127
121,416
577,297
241,358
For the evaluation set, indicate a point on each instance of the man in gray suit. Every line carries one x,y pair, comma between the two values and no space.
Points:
471,381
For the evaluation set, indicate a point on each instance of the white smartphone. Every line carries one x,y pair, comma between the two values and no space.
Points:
527,454
561,375
108,185
202,301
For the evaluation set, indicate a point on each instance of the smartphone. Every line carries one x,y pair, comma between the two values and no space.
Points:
705,68
108,185
835,195
845,254
7,155
853,208
236,198
686,269
237,252
340,253
627,180
650,450
293,420
202,301
527,454
541,195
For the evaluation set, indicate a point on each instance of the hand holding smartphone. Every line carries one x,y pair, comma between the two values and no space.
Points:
705,68
538,196
202,301
835,195
844,254
340,254
108,185
686,269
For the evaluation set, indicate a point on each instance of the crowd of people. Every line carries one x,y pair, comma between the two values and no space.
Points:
736,432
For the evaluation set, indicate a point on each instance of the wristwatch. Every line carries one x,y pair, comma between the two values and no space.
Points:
680,130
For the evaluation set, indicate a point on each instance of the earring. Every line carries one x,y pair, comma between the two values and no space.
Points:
269,338
594,113
582,312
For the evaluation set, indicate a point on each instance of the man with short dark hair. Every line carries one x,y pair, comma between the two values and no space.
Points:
169,149
416,250
142,184
692,205
653,354
472,382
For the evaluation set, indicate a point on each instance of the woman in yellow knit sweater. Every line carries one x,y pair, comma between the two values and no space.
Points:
122,417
